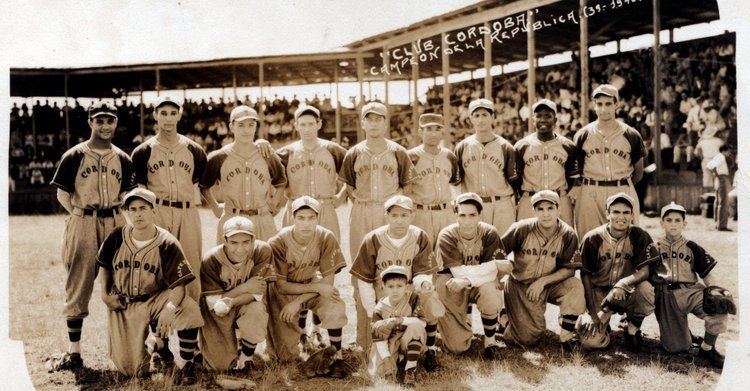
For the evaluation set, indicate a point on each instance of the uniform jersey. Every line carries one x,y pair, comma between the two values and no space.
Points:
158,266
170,172
219,274
486,168
607,260
94,181
681,261
545,165
376,177
433,176
409,306
245,181
608,158
534,255
377,252
300,264
453,250
312,172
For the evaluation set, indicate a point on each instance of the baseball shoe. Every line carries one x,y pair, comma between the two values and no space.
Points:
339,369
409,377
492,352
244,367
430,361
161,362
712,356
64,362
633,342
186,375
570,345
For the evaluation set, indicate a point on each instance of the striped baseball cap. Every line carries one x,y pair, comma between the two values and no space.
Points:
399,200
306,109
238,225
167,100
431,119
242,112
607,90
620,197
481,104
673,207
139,192
544,103
374,107
305,201
102,108
545,195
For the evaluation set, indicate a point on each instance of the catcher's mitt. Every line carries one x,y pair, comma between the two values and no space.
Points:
717,300
382,329
319,363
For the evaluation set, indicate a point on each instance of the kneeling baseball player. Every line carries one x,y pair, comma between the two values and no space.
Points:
398,328
143,275
615,257
307,258
469,253
544,268
233,282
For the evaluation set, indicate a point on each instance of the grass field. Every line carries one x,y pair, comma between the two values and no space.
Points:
36,299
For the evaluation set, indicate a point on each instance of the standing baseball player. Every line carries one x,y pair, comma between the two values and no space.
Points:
469,253
144,275
487,167
307,258
373,170
544,269
546,161
251,185
614,257
90,180
171,165
435,172
312,165
233,305
610,159
396,243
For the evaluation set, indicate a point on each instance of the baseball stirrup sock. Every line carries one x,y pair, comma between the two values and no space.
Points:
636,320
412,353
74,329
568,322
302,321
162,344
316,319
502,321
490,325
710,339
334,335
431,330
248,348
188,343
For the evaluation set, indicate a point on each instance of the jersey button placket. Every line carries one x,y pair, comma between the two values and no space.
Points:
246,186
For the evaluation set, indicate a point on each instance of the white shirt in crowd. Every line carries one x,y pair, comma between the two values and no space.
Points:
719,163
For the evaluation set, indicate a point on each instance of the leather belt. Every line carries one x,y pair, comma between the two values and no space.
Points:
677,285
125,299
248,212
433,207
559,192
111,212
492,198
173,204
617,182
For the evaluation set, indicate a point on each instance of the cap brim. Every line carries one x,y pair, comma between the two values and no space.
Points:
545,199
244,117
128,199
103,113
432,124
543,107
364,113
238,231
491,109
305,206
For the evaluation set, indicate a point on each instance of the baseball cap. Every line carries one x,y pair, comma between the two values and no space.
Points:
166,100
481,104
394,269
305,201
374,107
238,225
242,112
142,193
431,119
102,108
606,89
306,109
545,195
620,196
544,103
399,200
471,198
672,207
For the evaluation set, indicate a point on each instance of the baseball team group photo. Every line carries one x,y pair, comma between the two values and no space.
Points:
465,201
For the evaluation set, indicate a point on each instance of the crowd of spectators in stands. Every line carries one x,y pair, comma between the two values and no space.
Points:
698,104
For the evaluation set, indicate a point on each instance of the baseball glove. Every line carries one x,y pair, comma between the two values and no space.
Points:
382,329
319,363
717,300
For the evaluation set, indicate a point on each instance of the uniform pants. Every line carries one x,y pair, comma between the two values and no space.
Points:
432,221
721,204
265,226
328,217
284,337
397,344
364,217
185,225
219,334
639,305
525,210
591,206
81,241
526,321
500,213
129,328
672,308
455,325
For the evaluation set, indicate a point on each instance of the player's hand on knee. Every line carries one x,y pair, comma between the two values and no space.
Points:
326,291
456,285
589,325
534,291
290,312
616,294
164,326
113,302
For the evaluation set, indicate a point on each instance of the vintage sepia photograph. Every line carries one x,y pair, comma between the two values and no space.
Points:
352,195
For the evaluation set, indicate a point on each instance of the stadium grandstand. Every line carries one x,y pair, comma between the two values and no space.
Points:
694,90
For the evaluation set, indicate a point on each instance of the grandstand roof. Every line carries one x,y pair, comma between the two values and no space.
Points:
632,17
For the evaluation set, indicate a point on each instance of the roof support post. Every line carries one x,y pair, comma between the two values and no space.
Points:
338,102
143,114
656,134
584,58
261,81
158,81
67,118
446,88
234,83
487,62
361,98
415,78
386,81
531,54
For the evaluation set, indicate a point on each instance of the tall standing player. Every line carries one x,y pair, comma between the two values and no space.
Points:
546,161
251,185
435,172
487,167
170,165
312,165
91,179
610,159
